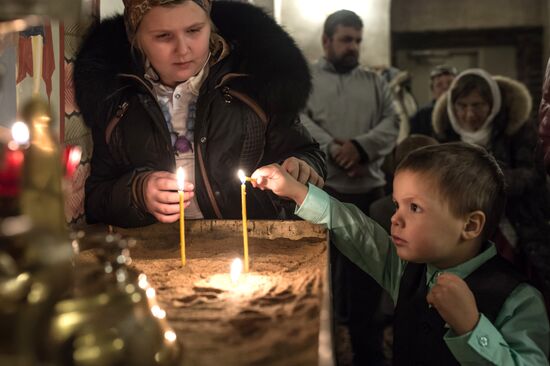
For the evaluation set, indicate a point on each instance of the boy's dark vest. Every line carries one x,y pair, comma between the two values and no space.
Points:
419,330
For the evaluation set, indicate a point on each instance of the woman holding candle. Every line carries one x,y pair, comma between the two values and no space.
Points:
172,84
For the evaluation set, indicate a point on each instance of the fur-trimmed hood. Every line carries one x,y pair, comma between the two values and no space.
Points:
260,48
516,107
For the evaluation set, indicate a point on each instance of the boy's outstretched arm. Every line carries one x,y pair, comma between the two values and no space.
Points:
278,180
357,236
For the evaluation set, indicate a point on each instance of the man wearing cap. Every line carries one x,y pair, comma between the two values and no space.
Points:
441,78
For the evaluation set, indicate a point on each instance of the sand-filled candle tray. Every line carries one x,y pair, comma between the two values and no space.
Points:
277,314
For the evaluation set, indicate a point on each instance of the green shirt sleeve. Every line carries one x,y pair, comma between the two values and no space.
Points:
519,336
357,236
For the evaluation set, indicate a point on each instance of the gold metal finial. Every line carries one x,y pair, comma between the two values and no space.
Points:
41,194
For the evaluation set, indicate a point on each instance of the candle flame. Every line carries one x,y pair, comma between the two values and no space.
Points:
180,176
242,176
236,269
20,133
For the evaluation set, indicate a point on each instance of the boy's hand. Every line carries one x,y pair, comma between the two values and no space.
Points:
278,180
455,302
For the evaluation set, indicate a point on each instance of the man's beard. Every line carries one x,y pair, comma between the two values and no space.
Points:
346,62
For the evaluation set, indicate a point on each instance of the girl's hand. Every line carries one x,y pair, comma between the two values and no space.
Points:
162,198
276,179
302,172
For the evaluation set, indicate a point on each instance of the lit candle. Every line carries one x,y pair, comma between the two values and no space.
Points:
11,166
243,177
12,159
71,159
236,269
180,175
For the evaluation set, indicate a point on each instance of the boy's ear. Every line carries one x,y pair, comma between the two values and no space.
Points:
475,222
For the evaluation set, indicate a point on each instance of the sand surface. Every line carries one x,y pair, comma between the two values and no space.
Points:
270,316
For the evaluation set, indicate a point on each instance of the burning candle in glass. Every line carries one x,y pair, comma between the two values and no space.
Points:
180,176
71,159
243,179
11,160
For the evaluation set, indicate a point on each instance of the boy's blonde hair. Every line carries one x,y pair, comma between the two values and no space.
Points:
467,177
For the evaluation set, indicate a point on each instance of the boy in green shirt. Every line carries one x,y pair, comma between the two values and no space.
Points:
457,301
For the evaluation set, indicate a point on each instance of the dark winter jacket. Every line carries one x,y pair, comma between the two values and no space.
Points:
544,119
246,117
514,144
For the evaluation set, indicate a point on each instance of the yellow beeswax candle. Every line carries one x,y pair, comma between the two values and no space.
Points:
243,177
180,175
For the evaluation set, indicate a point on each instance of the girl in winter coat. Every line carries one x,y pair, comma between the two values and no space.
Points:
181,83
493,112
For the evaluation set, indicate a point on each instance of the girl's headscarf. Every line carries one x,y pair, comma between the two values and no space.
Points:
134,10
